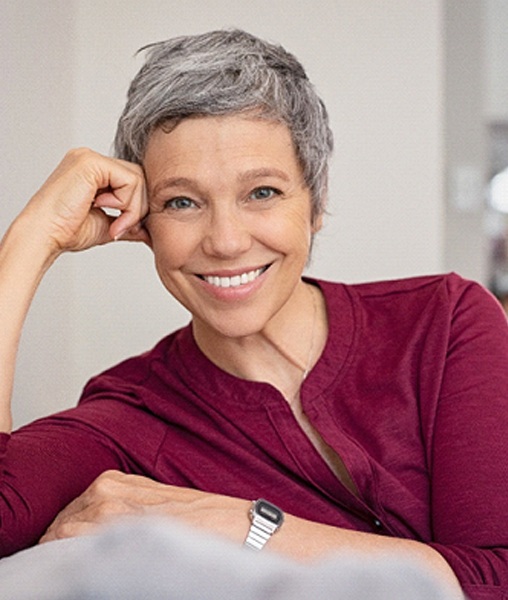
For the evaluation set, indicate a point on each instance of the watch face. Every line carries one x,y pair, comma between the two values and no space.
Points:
269,511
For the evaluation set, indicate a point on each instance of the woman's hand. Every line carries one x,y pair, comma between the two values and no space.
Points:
114,494
67,210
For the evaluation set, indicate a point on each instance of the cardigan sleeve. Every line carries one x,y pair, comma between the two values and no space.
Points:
43,467
469,464
48,463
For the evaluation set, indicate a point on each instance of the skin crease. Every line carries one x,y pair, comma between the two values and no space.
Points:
237,202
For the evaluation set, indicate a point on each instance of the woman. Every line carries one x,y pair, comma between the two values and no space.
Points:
373,415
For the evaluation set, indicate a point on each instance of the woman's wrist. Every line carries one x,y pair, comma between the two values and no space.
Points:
26,240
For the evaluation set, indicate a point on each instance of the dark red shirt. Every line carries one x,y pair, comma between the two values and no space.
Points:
411,391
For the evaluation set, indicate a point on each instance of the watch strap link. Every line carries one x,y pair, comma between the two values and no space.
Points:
259,534
266,519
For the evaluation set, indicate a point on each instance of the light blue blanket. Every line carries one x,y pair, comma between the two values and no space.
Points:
156,560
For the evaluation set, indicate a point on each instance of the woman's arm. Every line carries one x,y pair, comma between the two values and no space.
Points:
114,494
64,215
22,266
469,469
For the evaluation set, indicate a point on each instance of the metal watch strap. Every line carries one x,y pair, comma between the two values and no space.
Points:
262,528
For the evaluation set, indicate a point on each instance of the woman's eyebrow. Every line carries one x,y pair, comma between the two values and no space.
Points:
252,174
170,182
247,176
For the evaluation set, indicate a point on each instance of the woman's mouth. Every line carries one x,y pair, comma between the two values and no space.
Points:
235,280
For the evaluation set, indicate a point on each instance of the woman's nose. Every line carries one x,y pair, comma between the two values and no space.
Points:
227,235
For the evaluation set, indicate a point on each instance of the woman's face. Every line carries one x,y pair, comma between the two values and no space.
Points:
230,220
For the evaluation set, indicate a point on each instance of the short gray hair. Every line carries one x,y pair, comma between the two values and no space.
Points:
226,72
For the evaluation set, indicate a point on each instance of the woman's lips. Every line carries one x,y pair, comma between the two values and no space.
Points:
233,281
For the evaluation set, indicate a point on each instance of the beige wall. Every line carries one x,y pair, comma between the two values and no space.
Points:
379,66
496,65
37,106
465,138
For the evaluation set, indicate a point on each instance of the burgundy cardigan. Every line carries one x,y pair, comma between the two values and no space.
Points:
411,391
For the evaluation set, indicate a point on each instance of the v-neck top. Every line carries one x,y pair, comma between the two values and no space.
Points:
410,392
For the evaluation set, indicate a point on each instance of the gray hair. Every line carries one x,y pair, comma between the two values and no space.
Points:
226,72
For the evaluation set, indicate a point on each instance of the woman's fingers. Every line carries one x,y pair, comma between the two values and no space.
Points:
128,198
114,494
111,495
89,200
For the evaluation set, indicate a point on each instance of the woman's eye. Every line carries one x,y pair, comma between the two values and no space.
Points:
264,193
179,203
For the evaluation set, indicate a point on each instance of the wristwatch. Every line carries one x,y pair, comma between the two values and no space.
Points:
266,519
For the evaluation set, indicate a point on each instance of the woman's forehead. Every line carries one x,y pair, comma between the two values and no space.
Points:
231,144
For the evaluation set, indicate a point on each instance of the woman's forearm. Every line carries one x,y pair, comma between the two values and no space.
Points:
306,540
24,258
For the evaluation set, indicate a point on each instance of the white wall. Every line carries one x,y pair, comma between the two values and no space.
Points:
378,65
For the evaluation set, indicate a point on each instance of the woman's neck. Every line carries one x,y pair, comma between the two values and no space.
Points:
282,353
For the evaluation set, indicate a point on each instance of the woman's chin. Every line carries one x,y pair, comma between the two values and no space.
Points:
228,326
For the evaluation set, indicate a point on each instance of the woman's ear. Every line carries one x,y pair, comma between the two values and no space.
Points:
317,222
138,233
144,233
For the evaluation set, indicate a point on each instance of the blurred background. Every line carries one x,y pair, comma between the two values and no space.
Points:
418,97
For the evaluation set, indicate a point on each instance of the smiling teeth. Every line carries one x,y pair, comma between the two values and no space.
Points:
237,280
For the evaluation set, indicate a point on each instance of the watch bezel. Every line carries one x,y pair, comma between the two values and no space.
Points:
269,512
